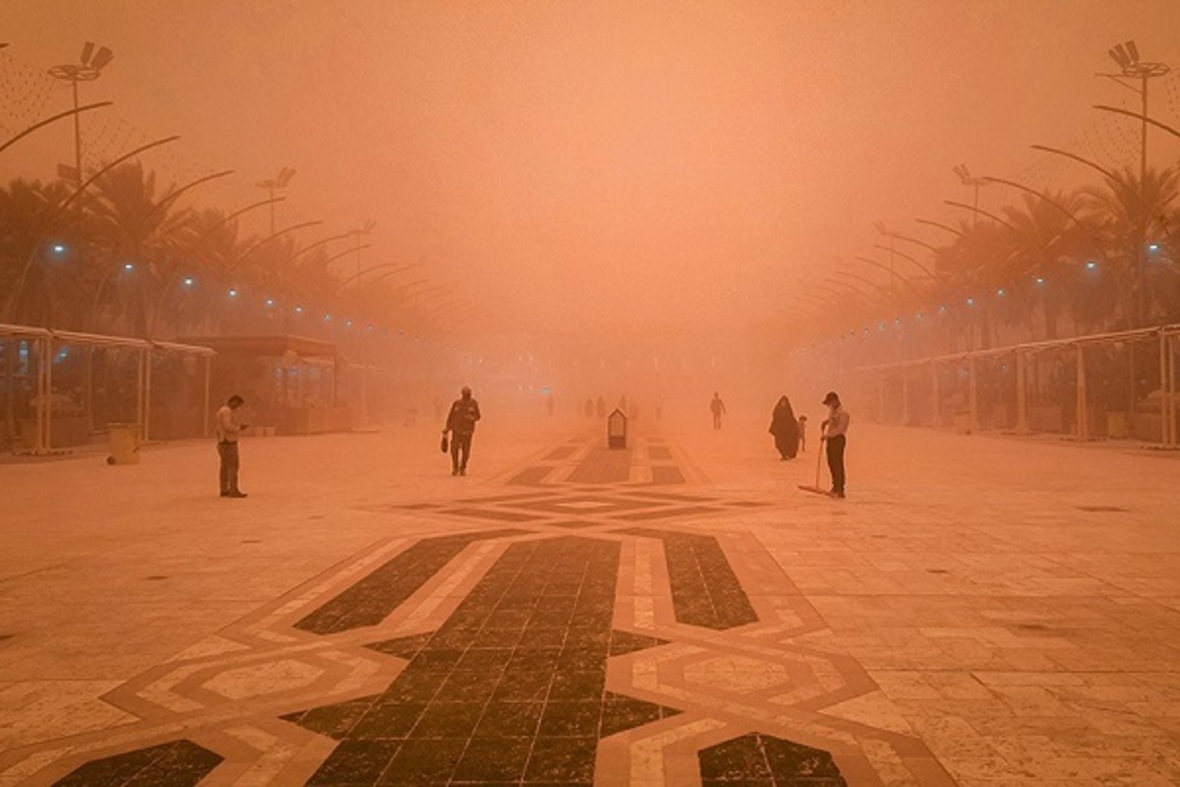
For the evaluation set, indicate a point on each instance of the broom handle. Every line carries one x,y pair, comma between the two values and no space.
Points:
819,455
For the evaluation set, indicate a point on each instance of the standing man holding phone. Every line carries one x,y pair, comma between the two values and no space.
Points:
228,431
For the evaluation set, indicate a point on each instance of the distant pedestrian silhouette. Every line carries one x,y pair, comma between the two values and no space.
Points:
718,408
785,429
600,407
461,424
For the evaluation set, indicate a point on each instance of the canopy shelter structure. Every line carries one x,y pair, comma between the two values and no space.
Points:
38,366
291,384
1115,385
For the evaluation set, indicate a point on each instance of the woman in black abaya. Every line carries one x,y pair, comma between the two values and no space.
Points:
785,429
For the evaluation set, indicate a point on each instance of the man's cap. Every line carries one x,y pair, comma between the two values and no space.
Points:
236,398
465,389
831,397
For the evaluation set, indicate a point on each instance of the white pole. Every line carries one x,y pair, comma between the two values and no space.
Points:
936,394
1083,427
973,398
1021,394
205,404
147,395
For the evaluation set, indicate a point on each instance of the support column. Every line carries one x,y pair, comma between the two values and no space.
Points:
147,396
936,395
972,395
49,395
905,397
1171,391
880,396
1021,394
205,399
1083,427
1166,437
139,388
44,385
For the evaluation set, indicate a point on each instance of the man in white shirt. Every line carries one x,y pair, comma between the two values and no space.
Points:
834,428
228,430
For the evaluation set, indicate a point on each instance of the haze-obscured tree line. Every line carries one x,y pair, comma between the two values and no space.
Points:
124,259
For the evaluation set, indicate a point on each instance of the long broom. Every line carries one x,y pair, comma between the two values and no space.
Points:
817,489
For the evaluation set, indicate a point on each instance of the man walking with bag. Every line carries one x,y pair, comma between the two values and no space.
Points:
461,424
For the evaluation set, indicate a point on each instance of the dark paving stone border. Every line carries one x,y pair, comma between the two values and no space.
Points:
180,763
511,688
705,590
759,760
371,599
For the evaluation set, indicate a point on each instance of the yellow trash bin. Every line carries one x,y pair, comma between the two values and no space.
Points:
124,441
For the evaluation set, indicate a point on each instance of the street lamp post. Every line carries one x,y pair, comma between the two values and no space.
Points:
365,230
89,69
1126,56
965,176
279,181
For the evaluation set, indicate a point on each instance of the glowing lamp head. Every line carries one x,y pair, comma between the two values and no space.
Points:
127,266
233,293
1091,265
189,281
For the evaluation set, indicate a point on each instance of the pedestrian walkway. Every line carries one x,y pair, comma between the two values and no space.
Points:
979,611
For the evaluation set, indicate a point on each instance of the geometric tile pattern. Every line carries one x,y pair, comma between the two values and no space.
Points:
179,763
705,591
510,689
603,466
370,601
758,760
519,656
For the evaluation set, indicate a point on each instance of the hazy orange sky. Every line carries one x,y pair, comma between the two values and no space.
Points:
579,164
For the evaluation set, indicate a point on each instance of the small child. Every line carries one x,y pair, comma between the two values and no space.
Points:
803,433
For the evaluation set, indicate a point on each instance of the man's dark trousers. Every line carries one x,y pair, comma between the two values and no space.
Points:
229,466
836,462
460,450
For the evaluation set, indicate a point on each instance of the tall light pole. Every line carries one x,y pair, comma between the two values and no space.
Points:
965,176
89,69
1126,56
365,230
279,181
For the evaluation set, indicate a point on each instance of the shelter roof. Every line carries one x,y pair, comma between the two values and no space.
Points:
267,345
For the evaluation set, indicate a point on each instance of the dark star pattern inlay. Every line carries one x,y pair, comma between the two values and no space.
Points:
180,763
511,688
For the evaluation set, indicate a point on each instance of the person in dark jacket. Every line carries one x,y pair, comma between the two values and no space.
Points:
461,424
785,428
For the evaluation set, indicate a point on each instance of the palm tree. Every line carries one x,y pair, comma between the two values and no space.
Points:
1041,269
1130,214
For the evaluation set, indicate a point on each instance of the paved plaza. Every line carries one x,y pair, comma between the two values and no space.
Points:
980,610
